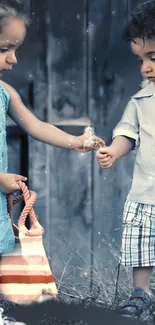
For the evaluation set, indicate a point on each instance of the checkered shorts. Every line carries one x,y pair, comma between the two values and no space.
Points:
138,238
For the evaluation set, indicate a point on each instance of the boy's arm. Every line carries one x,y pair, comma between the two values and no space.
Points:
122,145
126,132
125,137
39,130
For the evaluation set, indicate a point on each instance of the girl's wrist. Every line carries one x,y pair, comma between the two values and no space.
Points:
1,174
1,180
73,142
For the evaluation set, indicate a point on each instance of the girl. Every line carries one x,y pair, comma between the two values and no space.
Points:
13,23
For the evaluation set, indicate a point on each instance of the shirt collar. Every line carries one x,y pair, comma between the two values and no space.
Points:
148,91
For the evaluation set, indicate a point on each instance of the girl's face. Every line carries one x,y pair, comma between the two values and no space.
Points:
11,37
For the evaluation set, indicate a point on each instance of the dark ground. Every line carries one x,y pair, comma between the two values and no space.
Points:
60,313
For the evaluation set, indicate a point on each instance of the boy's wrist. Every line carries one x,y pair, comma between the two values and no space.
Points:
115,151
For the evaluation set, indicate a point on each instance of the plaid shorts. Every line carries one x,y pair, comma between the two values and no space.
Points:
138,238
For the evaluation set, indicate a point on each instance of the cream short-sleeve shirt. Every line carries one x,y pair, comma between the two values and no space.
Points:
138,123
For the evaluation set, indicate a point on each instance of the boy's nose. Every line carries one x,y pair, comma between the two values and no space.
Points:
145,69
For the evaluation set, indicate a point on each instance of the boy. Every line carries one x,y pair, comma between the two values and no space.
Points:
137,129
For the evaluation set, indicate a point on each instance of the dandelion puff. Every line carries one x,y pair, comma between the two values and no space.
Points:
89,136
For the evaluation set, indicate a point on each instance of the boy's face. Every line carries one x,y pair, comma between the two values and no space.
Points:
11,37
145,51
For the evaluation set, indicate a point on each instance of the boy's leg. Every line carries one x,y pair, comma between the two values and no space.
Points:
138,253
141,277
140,299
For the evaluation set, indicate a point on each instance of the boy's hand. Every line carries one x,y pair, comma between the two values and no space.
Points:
106,157
8,182
79,144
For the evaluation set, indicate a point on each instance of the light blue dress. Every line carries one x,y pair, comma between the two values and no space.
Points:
7,239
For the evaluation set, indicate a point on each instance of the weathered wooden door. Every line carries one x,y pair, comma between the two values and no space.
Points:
81,77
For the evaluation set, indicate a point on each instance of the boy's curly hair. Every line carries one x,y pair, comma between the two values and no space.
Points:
141,23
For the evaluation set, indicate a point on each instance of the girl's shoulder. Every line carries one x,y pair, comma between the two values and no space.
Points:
9,91
6,87
5,95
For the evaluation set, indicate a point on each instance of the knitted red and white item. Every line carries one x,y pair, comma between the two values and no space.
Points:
25,273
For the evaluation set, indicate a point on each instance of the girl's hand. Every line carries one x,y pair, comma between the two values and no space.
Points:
78,143
8,182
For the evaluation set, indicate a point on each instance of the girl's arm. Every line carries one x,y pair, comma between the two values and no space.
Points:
9,182
39,130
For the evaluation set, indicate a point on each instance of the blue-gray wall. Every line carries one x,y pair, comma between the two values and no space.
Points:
83,70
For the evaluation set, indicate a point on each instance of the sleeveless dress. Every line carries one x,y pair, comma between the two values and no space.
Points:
7,239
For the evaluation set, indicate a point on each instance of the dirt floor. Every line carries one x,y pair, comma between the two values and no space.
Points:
59,313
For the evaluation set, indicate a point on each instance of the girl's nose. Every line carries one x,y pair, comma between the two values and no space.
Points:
11,58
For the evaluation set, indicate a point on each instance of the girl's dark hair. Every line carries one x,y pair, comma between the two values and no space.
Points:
12,9
141,23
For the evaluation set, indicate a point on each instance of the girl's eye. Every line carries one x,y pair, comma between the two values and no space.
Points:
3,50
153,59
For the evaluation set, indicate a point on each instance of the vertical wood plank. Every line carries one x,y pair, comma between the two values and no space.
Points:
14,165
110,93
38,151
62,178
70,172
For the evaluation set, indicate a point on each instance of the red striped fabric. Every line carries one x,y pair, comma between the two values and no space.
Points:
26,279
25,274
